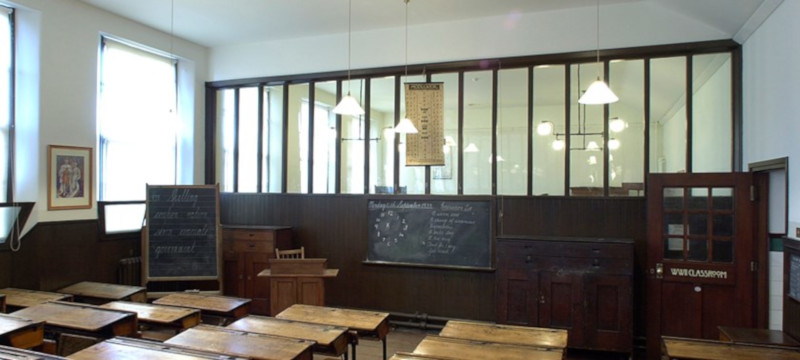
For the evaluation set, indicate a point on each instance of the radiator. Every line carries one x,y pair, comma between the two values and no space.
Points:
129,271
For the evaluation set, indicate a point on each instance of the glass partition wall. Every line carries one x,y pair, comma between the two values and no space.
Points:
515,129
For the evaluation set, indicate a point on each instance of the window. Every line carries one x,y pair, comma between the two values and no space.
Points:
137,120
6,98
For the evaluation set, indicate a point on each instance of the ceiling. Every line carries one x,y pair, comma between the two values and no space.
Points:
249,21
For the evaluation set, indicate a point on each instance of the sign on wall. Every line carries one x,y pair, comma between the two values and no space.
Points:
425,108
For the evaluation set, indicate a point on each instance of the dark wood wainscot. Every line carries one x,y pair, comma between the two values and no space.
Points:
246,251
583,285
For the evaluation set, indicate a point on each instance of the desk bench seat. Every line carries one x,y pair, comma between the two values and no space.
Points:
699,349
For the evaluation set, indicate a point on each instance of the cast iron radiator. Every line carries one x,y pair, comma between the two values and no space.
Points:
129,271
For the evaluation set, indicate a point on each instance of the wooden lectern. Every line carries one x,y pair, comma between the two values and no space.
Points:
297,281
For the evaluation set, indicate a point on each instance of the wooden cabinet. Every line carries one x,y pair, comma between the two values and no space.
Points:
246,251
582,285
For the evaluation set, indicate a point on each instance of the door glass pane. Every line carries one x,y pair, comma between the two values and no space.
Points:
586,145
512,131
712,138
698,199
673,198
673,224
723,251
248,139
723,225
673,248
381,151
412,178
723,198
668,115
626,129
325,132
698,224
272,160
549,119
353,137
297,142
697,250
477,132
444,179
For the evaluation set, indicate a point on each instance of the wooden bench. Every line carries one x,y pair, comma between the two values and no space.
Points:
12,353
328,339
402,355
158,322
17,299
100,293
696,349
739,335
453,348
506,334
129,348
20,332
242,343
214,309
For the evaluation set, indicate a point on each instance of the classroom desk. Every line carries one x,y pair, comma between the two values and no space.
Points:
159,316
2,303
21,298
329,339
696,349
452,348
411,356
738,335
20,332
100,293
216,306
506,334
12,353
242,343
364,322
77,318
129,348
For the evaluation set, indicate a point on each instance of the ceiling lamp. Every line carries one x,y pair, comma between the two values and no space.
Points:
471,148
613,144
598,92
348,105
406,126
616,124
544,128
558,144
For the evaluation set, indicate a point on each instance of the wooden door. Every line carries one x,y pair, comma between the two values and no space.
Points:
701,248
561,304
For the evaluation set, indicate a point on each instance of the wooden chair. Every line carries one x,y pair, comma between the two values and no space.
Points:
291,254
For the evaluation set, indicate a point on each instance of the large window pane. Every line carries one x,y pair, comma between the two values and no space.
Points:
6,74
297,142
324,149
226,110
512,131
353,137
272,153
586,145
549,119
381,150
248,139
626,129
712,121
477,132
444,179
412,178
668,115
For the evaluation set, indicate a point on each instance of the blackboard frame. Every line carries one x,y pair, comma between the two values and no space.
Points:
151,225
489,223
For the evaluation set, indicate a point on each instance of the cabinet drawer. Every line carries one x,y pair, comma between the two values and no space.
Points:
246,245
597,265
247,234
566,249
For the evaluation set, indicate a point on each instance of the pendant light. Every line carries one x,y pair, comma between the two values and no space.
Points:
598,92
406,126
349,105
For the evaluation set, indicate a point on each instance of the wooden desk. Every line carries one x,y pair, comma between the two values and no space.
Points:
329,339
411,356
79,318
241,343
12,353
739,335
451,348
225,307
683,348
506,334
20,332
2,303
129,348
100,293
21,298
159,316
364,322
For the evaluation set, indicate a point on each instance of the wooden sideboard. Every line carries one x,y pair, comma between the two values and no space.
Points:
583,285
246,251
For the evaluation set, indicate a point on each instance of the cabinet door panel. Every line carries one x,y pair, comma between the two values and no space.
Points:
311,291
609,322
283,293
518,297
233,275
561,305
257,288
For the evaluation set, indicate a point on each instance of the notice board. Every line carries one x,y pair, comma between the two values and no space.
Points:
182,233
438,233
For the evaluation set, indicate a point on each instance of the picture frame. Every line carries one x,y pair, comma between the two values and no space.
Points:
69,177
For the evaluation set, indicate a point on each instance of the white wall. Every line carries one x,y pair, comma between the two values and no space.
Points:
57,91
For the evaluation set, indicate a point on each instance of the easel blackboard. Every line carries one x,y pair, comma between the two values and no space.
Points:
182,233
435,233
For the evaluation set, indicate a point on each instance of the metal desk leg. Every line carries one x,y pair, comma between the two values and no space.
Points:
384,348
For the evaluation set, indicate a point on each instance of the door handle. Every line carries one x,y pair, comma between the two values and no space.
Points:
658,271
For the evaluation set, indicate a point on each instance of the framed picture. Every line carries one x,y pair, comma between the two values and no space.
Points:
69,177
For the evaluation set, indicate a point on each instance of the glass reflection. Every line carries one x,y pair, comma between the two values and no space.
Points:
668,115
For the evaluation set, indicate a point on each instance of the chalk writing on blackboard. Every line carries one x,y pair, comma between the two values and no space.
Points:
794,276
182,232
430,232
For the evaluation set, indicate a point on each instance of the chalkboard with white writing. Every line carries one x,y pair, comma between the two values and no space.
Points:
439,233
794,276
182,233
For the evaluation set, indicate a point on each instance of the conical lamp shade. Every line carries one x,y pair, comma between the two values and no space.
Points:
598,93
348,106
405,126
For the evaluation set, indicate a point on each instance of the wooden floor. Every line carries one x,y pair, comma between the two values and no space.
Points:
406,339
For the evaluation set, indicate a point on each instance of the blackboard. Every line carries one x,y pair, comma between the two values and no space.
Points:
794,276
182,233
446,233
